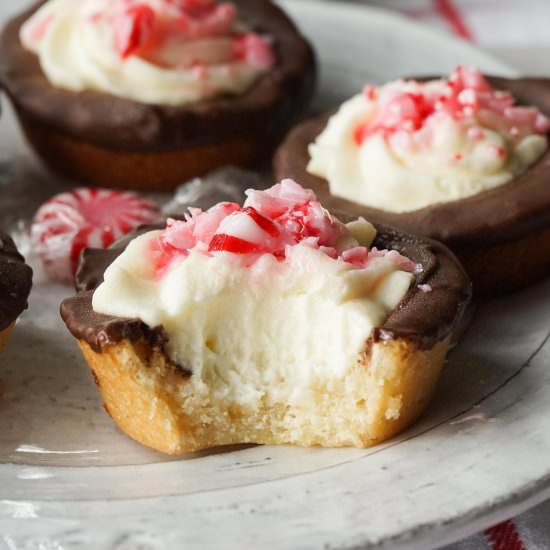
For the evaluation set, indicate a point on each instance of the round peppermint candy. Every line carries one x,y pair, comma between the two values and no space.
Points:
84,218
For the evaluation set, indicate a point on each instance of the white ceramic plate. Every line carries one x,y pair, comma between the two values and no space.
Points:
69,479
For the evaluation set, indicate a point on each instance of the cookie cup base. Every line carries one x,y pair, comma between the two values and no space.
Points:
142,171
162,407
510,265
4,335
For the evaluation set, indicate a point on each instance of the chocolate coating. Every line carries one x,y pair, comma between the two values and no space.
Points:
94,261
15,282
115,123
98,330
507,212
422,317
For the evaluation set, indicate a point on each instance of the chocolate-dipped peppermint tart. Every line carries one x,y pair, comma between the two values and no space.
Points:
159,91
271,323
463,160
15,286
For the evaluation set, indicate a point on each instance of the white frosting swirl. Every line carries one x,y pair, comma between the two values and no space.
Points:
408,145
151,51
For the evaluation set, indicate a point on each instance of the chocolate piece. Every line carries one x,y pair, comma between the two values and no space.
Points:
422,317
98,330
425,316
505,213
15,282
116,123
94,261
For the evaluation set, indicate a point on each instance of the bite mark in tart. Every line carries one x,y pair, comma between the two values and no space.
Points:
270,323
464,160
15,286
149,94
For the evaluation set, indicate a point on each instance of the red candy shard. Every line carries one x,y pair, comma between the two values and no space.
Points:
132,28
228,243
261,221
254,50
84,218
360,134
370,92
356,256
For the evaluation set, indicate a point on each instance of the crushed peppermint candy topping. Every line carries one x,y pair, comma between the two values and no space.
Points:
145,27
468,96
132,28
270,222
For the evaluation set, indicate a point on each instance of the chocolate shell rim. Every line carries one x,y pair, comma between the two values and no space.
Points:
15,282
503,214
423,317
116,123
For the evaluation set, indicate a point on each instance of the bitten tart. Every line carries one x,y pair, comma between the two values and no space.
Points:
272,322
15,286
147,94
464,160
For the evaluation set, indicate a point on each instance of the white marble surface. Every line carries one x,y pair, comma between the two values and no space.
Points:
70,480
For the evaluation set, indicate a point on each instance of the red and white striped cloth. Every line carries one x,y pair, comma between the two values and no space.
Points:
529,531
494,24
490,23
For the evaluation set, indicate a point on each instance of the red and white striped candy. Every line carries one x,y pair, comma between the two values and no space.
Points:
84,218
